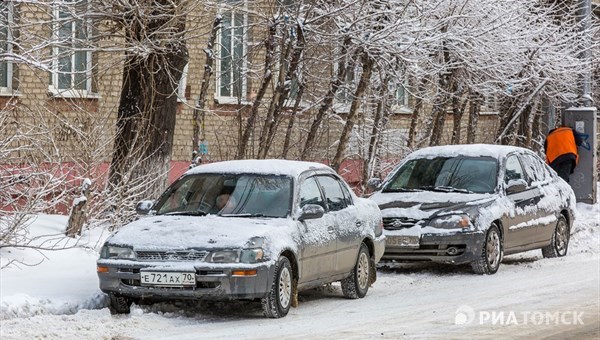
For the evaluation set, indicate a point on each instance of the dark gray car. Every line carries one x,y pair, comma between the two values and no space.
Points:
474,204
254,230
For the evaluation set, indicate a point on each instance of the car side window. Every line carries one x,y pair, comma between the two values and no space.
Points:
333,193
514,170
347,195
535,170
310,193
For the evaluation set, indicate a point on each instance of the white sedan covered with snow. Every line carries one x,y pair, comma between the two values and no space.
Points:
257,230
473,204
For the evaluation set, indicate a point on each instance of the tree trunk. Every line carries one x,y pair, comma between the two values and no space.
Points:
458,110
282,92
199,113
147,108
414,117
326,105
78,215
361,88
379,124
474,109
288,131
268,75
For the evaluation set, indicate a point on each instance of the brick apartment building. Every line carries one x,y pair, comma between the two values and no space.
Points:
75,92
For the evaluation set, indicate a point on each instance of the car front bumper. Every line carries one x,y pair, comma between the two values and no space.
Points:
212,283
456,248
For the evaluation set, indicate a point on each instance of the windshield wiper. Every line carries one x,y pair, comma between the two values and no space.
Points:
442,188
244,215
402,190
186,213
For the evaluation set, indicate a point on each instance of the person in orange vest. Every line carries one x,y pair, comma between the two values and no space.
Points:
561,150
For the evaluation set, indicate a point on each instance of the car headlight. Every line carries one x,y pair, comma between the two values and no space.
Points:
252,255
458,221
224,256
117,253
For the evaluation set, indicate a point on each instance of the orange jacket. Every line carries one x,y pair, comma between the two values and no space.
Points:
561,141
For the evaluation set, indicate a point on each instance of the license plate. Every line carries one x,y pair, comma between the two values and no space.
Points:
402,241
171,279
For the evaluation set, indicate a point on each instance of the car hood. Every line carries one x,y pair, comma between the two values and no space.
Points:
205,232
424,204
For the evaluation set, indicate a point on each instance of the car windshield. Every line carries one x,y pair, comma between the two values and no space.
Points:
446,174
234,195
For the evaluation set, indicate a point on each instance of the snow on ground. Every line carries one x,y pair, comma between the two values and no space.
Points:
59,298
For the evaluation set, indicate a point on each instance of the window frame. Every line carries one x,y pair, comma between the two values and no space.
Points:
53,87
224,9
8,89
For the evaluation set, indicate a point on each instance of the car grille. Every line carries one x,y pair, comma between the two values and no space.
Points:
397,223
180,255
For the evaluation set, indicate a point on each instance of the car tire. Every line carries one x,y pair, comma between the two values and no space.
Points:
278,301
356,285
560,240
491,253
119,304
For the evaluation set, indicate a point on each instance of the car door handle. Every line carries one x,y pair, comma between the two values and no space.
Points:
331,229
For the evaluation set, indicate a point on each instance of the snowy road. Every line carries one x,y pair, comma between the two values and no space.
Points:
416,302
529,297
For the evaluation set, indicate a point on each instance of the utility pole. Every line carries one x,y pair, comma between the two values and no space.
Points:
585,22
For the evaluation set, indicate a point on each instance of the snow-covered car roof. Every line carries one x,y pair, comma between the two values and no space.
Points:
469,150
259,166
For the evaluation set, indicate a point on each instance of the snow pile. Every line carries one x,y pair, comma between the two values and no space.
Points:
60,281
23,305
585,236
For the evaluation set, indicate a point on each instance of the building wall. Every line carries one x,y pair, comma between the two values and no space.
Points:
95,115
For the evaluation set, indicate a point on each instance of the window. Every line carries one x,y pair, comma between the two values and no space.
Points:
310,193
181,88
6,68
333,193
231,63
286,34
475,174
72,59
345,93
490,104
400,99
514,170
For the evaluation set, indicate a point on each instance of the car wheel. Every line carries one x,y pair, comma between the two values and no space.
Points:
277,303
119,304
356,285
560,240
491,253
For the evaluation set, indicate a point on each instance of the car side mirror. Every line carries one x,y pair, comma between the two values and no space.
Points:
144,207
311,212
516,185
373,184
